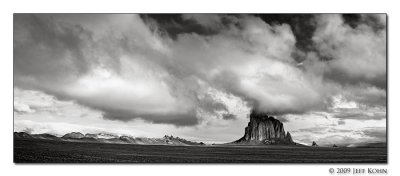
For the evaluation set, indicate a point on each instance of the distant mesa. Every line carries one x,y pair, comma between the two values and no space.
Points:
314,144
264,129
179,141
45,136
22,135
88,135
73,135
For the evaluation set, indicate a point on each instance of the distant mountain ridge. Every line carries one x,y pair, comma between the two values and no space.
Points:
108,138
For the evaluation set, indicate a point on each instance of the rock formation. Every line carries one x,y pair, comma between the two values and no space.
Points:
45,136
73,135
179,141
314,144
88,135
264,129
22,135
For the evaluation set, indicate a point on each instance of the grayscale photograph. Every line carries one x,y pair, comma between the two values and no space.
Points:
199,88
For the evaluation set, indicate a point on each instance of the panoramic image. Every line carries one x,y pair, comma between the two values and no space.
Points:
200,88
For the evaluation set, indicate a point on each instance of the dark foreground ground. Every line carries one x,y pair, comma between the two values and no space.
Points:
47,151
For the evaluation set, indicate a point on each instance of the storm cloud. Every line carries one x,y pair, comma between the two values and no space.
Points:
133,66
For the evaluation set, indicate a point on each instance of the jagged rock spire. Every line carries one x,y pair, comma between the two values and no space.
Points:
314,144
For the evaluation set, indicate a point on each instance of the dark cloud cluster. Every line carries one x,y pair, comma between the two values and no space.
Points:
228,116
46,51
174,68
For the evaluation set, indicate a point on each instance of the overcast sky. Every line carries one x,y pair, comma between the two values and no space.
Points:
198,76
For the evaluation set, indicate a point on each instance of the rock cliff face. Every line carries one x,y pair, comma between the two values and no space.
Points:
264,129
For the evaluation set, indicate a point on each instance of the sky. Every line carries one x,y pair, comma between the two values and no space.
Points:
198,76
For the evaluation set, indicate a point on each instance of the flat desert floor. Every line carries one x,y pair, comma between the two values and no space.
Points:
47,151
